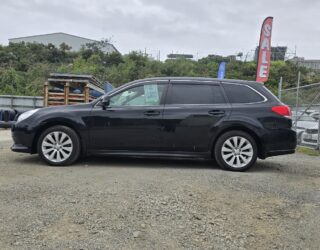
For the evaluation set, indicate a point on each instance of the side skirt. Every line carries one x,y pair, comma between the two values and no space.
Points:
139,154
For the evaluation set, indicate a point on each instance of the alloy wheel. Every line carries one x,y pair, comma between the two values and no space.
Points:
237,152
57,146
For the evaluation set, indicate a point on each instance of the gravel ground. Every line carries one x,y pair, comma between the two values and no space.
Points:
110,203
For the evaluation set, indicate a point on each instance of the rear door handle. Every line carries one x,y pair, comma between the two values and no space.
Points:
216,112
151,113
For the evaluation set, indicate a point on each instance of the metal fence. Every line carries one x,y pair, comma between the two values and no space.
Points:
21,103
305,105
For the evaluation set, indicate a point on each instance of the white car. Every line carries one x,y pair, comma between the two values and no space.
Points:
315,115
310,136
304,123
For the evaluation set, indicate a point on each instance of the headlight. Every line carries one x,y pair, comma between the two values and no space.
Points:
26,115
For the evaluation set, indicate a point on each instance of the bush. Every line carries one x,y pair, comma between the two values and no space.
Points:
25,67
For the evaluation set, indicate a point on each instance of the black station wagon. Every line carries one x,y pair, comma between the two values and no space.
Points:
231,121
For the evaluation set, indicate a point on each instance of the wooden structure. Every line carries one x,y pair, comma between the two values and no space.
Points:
67,89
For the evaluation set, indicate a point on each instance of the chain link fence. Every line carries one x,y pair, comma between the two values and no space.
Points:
305,105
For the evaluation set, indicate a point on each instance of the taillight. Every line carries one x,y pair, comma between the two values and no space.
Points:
282,110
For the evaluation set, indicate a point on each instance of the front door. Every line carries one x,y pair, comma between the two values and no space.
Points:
132,121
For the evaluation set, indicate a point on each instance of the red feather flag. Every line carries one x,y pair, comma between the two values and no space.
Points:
263,68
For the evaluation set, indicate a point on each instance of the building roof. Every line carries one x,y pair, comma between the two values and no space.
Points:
60,33
54,33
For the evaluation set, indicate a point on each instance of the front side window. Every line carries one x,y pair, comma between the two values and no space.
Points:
143,95
195,94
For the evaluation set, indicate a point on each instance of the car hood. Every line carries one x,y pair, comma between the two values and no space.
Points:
308,124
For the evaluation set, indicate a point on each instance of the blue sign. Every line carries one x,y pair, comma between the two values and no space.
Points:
222,70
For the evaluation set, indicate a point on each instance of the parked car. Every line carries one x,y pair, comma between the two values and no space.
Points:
234,122
306,121
310,136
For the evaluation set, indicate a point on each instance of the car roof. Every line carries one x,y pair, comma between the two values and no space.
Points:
178,78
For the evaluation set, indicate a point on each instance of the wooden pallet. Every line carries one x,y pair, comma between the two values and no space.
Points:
69,82
65,98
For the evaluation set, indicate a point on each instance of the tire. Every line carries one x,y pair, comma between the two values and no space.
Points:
236,151
59,146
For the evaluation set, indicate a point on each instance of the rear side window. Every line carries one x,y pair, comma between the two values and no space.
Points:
241,94
195,94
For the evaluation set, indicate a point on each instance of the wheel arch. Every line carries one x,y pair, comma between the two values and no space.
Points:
244,129
50,124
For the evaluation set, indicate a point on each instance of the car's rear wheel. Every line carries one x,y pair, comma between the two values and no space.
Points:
59,146
236,151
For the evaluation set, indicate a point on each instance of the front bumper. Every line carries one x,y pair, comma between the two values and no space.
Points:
20,148
22,139
310,139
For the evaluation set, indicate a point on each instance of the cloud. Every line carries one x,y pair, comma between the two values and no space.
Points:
190,26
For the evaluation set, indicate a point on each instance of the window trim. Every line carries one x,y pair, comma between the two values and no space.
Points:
265,99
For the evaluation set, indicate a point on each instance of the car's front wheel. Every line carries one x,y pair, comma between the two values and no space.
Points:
59,146
236,151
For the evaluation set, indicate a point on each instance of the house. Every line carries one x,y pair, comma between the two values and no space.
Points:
179,56
277,53
307,63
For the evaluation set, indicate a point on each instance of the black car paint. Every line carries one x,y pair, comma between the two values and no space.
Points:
164,130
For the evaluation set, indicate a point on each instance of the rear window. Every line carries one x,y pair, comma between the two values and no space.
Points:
241,94
195,94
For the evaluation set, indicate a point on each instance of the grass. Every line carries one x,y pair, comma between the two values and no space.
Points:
308,151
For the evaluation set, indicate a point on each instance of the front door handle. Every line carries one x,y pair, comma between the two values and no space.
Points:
216,112
151,113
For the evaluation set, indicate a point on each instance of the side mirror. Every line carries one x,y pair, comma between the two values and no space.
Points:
105,102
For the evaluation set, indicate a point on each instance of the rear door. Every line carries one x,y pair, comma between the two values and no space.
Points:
192,113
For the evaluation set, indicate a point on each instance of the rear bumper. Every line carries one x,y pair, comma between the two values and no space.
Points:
278,142
280,152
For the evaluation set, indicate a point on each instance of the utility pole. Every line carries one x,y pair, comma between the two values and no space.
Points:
297,98
280,88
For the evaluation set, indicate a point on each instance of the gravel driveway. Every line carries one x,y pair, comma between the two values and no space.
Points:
110,203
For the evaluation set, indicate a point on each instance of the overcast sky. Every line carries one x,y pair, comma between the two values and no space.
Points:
186,26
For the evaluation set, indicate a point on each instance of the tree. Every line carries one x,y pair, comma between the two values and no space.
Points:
24,67
65,47
98,46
